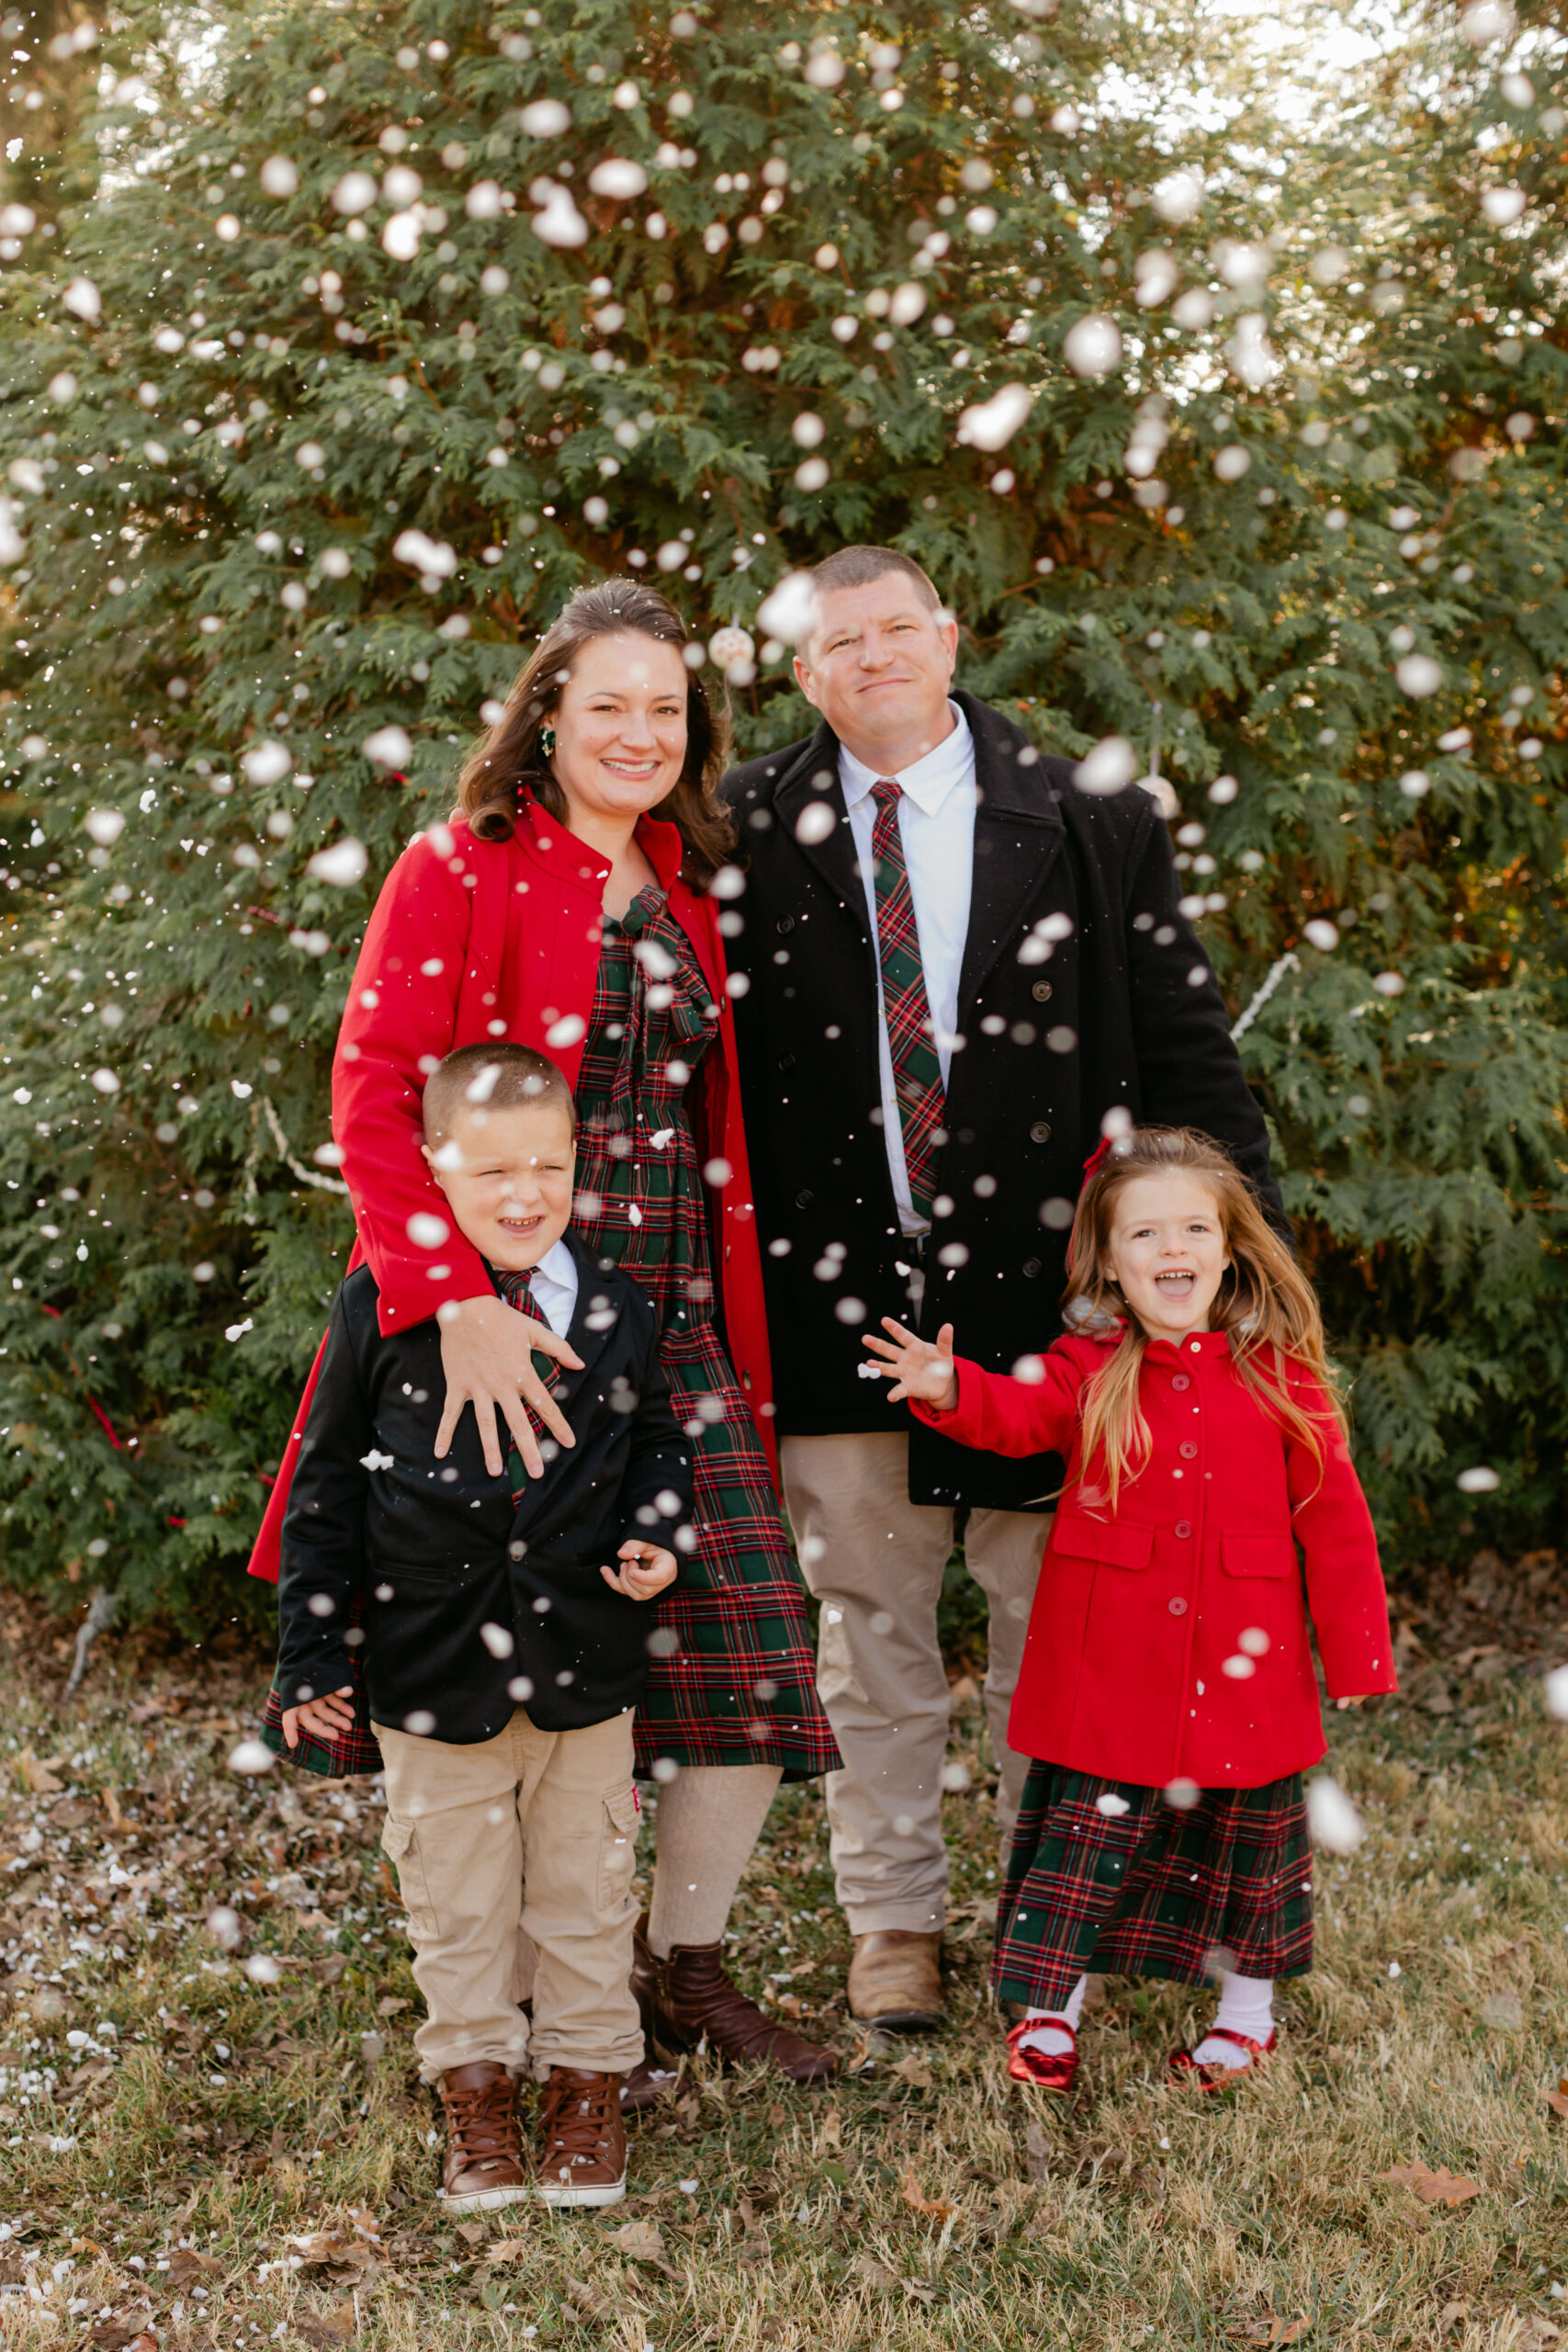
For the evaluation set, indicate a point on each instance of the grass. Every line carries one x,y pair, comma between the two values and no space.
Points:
268,2144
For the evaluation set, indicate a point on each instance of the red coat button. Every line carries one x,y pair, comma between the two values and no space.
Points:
1188,1450
1182,1380
1183,1527
1177,1607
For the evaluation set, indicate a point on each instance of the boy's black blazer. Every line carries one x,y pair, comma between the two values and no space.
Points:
473,1603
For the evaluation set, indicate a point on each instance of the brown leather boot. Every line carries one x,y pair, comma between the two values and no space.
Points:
482,2168
582,2138
691,1998
896,1981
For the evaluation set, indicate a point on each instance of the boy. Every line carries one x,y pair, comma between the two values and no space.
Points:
501,1656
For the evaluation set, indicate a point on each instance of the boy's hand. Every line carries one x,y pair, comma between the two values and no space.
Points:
325,1718
920,1369
648,1571
486,1354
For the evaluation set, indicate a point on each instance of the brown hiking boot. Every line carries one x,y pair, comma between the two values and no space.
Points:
690,1999
582,2139
483,2167
896,1981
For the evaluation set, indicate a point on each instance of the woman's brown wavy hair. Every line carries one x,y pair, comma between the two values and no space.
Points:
509,761
1264,1302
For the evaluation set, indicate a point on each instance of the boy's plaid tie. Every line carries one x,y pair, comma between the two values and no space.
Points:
517,1291
917,1073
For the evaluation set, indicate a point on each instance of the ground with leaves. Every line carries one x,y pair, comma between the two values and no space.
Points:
195,2159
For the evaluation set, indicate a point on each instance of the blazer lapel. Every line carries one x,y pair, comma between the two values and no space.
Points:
1019,832
802,795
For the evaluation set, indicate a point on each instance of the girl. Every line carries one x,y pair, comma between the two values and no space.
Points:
1168,1692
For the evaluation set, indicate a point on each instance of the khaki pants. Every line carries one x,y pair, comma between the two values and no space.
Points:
875,1560
530,1834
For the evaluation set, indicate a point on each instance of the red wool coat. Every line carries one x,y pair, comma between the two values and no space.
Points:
1172,1640
472,940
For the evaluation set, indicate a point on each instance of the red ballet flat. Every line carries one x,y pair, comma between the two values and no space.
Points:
1224,2079
1043,2069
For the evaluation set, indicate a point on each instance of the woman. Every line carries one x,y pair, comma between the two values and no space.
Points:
566,907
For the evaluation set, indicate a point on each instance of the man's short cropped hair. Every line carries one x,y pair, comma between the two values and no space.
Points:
495,1077
858,567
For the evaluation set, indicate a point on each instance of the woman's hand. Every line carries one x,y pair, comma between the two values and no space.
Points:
920,1369
648,1571
326,1718
1343,1704
486,1350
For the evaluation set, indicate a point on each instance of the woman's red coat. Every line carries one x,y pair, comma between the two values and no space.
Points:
1172,1641
476,940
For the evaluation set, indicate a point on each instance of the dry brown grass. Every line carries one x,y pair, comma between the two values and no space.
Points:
923,2202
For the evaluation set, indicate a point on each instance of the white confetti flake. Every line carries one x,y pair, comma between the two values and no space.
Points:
1178,195
106,826
389,747
545,118
355,192
618,177
267,763
83,300
1093,345
1480,1480
1554,1691
426,1230
279,177
788,613
559,223
1331,1818
343,865
1418,675
251,1756
990,424
1109,768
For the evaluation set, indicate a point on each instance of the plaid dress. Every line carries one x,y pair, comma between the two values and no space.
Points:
1108,1876
732,1676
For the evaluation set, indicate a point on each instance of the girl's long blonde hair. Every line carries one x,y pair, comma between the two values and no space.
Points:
1264,1303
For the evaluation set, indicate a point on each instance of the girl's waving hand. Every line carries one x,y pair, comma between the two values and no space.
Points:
924,1374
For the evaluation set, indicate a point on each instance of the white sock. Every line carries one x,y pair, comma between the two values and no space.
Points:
1247,2006
1046,2026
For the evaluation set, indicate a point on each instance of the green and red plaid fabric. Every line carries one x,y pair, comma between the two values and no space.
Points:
917,1073
347,1758
732,1678
1143,1888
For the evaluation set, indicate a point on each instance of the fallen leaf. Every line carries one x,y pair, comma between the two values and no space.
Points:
472,2232
365,2221
39,1777
1036,2153
1273,2331
642,2241
875,2273
392,2007
830,2131
187,2267
1558,2099
588,2299
330,1967
325,2330
114,2334
1451,2314
509,2249
915,2196
1539,2332
914,2071
1439,2187
1503,2009
111,1807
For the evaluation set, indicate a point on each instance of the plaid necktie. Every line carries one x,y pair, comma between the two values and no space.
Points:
917,1073
517,1291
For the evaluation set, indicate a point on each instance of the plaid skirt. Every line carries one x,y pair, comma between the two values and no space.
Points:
1108,1876
732,1675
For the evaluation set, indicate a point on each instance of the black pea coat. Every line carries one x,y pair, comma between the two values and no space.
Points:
474,1603
1083,988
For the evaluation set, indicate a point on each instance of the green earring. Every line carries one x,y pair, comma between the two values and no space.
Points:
547,742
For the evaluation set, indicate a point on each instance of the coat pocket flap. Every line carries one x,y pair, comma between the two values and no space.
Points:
1123,1546
1273,1555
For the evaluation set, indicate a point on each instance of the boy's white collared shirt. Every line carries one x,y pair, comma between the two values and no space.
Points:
554,1285
936,825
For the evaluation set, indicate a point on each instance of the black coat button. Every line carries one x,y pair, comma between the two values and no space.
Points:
1042,991
787,922
786,1061
803,1200
1031,1267
1041,1131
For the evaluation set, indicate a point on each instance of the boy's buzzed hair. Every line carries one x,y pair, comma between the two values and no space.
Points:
857,567
496,1077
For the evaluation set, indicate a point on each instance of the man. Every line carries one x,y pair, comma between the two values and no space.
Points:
959,964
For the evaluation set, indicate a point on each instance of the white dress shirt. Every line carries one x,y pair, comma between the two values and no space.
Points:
936,825
554,1285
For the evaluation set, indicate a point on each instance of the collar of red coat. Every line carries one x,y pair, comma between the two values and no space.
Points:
554,846
1168,1351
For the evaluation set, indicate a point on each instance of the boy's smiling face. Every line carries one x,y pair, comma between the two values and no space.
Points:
507,1175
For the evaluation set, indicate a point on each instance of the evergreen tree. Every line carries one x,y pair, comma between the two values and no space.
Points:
382,329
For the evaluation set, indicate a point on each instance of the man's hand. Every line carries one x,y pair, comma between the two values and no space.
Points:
326,1718
648,1571
486,1349
920,1369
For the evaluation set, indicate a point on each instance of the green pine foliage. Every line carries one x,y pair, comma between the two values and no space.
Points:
1289,411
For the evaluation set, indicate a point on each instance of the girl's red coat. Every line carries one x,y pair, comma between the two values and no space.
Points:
1170,1641
472,940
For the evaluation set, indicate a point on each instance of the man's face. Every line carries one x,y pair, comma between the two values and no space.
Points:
507,1175
878,663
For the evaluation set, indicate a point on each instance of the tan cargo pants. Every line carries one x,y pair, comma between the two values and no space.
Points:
530,1834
